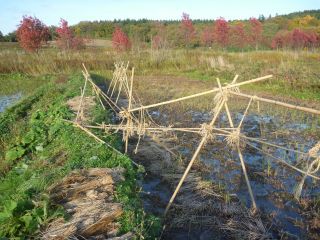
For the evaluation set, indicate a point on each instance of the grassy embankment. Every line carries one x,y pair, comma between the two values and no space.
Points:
37,149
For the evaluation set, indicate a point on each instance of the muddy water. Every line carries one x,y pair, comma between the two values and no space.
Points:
273,184
8,100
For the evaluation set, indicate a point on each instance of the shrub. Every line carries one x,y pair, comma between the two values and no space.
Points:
66,39
120,40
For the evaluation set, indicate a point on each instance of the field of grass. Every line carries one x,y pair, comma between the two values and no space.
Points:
295,72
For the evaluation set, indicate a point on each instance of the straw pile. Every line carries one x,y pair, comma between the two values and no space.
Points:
87,195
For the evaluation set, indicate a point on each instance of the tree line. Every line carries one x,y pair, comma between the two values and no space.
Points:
297,30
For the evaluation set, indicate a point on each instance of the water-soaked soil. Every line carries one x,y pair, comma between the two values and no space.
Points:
8,100
273,184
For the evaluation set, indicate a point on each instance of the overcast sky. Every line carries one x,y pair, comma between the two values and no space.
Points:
50,12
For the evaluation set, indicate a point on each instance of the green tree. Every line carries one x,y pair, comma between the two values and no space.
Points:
1,37
11,37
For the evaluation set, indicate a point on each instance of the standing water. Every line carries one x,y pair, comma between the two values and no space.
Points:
7,100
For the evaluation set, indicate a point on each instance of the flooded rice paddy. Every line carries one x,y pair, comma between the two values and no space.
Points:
273,183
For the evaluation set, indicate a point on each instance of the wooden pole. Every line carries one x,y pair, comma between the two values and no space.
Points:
225,104
254,205
99,140
129,107
81,99
238,147
202,93
194,157
291,106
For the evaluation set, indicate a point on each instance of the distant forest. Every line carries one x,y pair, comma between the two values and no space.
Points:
276,31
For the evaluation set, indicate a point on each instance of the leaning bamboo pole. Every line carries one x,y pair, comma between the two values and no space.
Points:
202,93
76,124
287,105
283,162
244,170
82,96
111,103
129,119
194,157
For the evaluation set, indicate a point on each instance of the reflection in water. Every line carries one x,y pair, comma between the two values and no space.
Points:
272,183
8,100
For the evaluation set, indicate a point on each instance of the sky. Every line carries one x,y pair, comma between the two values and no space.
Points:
74,11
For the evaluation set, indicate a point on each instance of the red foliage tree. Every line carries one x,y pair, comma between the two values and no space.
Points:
256,29
313,39
295,39
281,40
187,29
120,40
221,32
299,38
238,35
66,39
207,37
31,33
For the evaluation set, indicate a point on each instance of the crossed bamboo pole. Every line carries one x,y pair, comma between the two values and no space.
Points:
287,105
202,93
194,157
207,131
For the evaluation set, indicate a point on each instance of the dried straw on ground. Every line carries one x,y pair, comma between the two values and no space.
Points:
88,196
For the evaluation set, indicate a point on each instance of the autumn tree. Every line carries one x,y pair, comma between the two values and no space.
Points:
302,39
296,39
255,32
277,41
120,40
282,39
238,36
207,37
66,38
187,29
221,32
31,33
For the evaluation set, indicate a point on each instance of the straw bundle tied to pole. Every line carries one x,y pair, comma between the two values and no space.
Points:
135,121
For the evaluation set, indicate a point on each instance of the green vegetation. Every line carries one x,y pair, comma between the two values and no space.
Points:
37,148
18,82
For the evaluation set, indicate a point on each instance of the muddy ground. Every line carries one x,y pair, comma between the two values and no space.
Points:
213,202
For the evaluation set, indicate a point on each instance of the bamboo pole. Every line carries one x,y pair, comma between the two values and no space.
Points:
225,104
291,106
202,93
98,139
194,157
105,96
95,90
129,107
81,99
238,147
254,205
283,162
